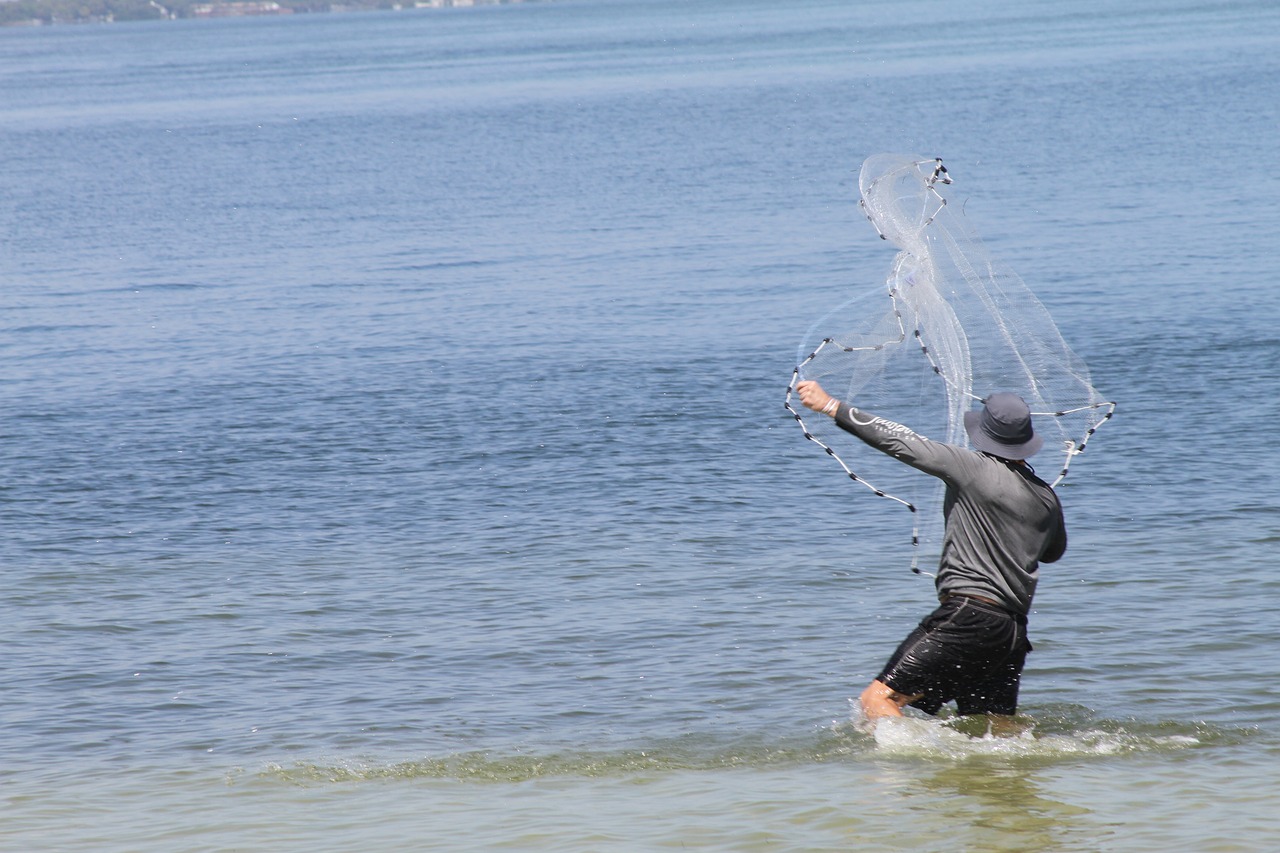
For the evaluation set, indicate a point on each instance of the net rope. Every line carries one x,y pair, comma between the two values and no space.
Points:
950,327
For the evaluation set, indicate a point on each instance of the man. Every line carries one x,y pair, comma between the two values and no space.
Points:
1002,521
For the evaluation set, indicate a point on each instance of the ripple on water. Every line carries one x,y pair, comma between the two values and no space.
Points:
1047,738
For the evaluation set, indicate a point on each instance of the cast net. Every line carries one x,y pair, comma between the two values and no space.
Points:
951,326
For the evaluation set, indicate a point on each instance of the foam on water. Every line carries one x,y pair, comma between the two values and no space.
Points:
939,740
1048,734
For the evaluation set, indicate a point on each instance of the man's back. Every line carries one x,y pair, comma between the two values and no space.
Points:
1002,520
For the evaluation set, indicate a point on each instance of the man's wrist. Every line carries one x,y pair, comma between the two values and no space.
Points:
831,407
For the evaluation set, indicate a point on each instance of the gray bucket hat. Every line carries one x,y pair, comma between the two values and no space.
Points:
1003,427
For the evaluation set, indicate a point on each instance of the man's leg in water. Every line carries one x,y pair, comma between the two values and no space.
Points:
881,700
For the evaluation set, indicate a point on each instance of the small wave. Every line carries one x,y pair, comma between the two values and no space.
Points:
481,766
706,752
1044,737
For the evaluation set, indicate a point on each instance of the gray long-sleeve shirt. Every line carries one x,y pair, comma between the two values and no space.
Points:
1002,520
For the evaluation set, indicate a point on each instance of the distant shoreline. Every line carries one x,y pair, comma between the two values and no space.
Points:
36,13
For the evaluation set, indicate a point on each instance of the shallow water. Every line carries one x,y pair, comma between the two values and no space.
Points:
395,455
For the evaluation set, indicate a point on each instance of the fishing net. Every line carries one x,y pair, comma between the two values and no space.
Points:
951,326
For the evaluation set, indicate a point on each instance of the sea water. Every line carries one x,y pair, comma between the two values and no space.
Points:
394,454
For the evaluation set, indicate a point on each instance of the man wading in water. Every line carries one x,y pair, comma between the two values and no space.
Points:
1002,521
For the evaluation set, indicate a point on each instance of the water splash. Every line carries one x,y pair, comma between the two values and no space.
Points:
1064,732
924,737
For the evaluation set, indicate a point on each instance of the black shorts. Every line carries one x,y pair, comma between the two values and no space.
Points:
967,651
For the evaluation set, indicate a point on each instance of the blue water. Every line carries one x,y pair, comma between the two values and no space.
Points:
394,455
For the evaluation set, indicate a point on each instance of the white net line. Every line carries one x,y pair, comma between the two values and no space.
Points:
956,326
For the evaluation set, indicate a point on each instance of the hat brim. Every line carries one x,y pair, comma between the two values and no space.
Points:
981,441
